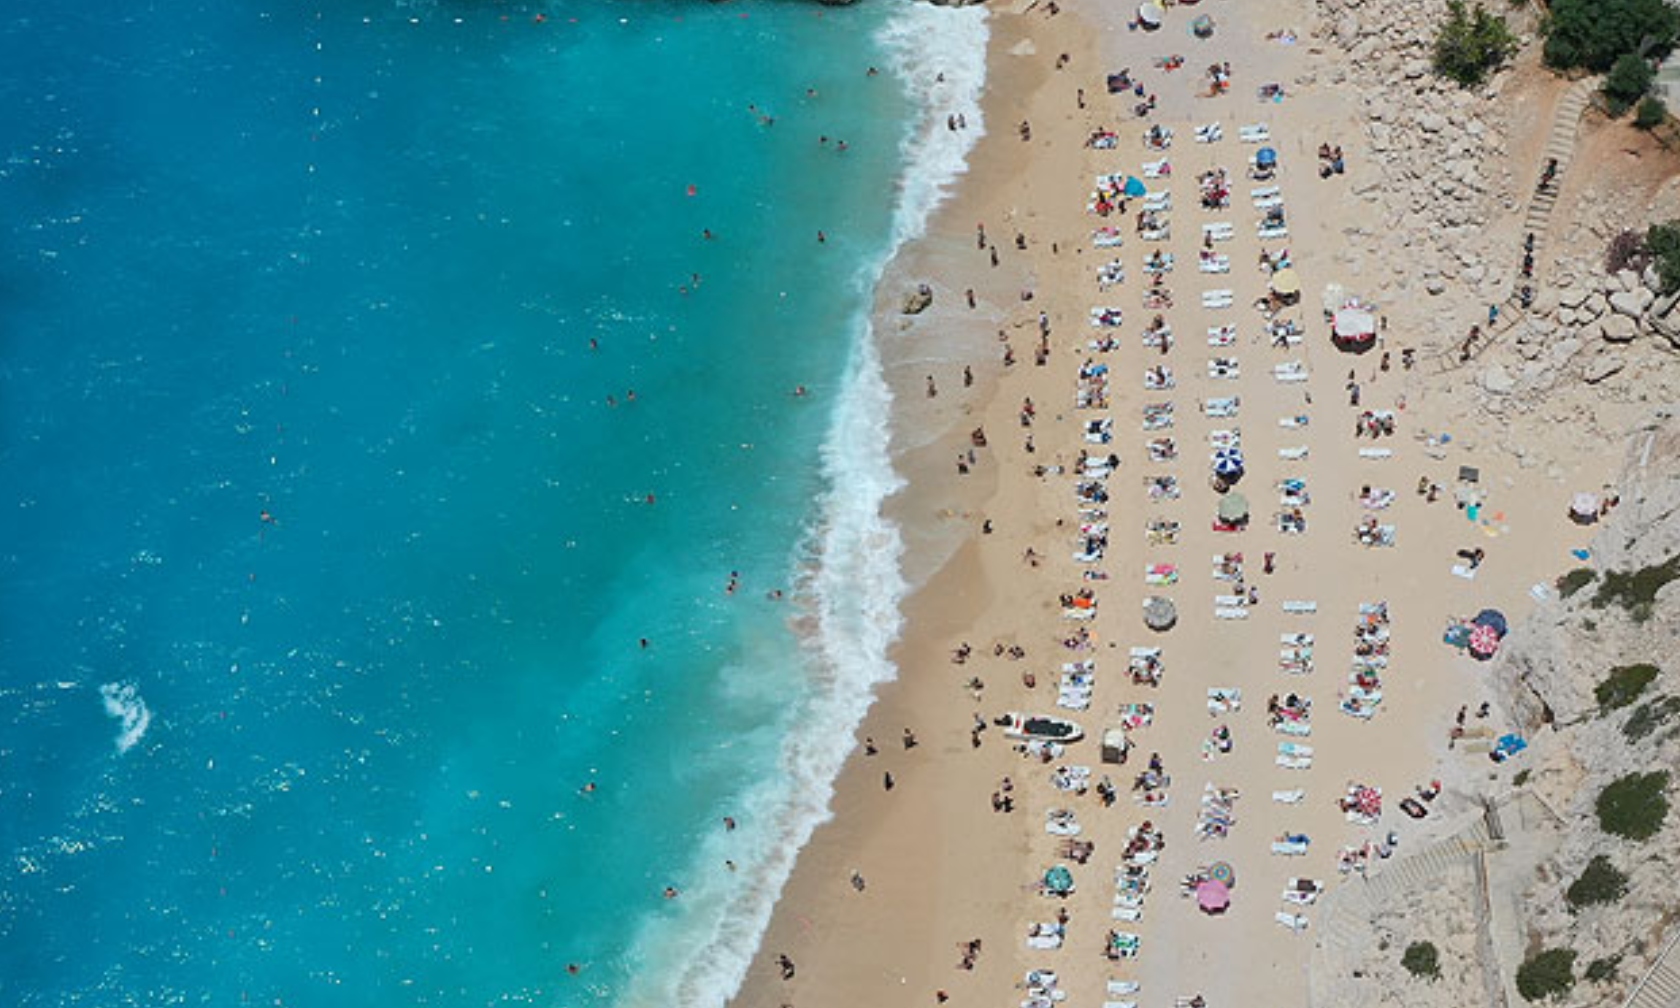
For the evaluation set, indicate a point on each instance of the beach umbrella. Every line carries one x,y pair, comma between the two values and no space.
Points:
1159,613
1355,323
1221,871
1227,463
1059,880
1233,507
1584,508
1202,26
1149,15
1134,186
1484,641
1369,801
1286,281
1493,618
1213,896
1265,157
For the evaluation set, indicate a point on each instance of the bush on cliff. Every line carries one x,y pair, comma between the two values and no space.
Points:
1599,883
1663,242
1546,974
1648,717
1635,806
1422,960
1623,685
1471,44
1636,591
1628,80
1593,33
1651,113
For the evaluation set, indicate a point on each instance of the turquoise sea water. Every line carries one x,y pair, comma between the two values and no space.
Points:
325,560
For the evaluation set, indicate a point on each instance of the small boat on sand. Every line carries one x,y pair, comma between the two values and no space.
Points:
1040,728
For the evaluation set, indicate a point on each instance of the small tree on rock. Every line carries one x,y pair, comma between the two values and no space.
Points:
1471,44
1629,79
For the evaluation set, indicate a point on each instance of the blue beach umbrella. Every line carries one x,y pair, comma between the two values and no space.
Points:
1495,619
1227,462
1265,157
1135,186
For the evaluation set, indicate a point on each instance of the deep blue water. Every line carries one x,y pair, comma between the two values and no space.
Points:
306,456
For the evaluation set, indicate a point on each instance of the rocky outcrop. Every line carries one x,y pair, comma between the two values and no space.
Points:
918,300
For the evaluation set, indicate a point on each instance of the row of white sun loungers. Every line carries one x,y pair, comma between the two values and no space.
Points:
1214,299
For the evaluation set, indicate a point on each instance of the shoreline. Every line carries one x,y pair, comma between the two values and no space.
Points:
940,867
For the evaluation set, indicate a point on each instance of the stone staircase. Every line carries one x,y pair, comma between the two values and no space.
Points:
1537,220
1660,988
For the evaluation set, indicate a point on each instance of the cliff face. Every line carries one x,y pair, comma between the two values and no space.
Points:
1561,653
1487,897
1627,615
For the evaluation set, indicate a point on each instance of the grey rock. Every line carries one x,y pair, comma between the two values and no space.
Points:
1628,279
1602,366
1435,285
1619,328
1573,297
1431,122
1498,381
918,300
1626,302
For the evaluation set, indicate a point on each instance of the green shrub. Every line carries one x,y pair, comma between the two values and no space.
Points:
1650,113
1422,960
1578,578
1648,717
1635,806
1635,591
1628,81
1623,686
1471,44
1521,777
1663,241
1599,883
1594,33
1546,974
1600,970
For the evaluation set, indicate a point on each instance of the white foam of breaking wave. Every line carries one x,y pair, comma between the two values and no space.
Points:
853,585
939,54
123,702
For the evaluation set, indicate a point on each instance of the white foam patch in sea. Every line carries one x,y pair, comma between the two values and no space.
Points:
123,702
853,586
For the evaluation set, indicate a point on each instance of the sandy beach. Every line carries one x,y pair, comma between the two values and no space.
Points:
919,890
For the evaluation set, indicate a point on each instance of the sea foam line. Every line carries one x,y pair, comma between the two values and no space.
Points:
854,585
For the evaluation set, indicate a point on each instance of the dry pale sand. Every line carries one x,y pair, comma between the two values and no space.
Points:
941,868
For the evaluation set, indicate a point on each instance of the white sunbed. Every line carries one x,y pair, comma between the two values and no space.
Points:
1290,371
1224,368
1300,608
1264,192
1217,299
1121,913
1295,762
1122,1004
1210,133
1288,848
1159,234
1267,202
1293,422
1291,797
1294,749
1230,612
1294,922
1376,453
1219,231
1157,201
1224,699
1230,600
1119,987
1274,231
1221,336
1295,454
1254,133
1222,408
1214,264
1299,729
1225,437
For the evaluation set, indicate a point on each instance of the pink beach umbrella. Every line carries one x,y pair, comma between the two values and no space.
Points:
1484,641
1213,896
